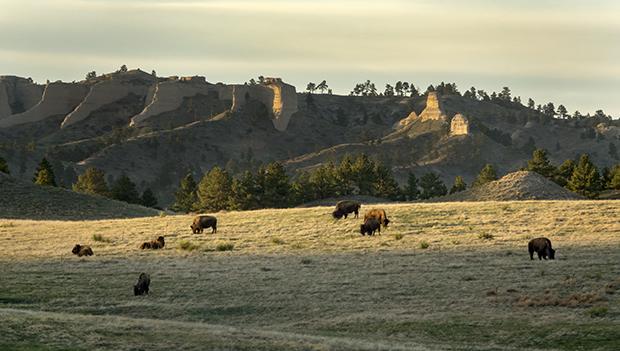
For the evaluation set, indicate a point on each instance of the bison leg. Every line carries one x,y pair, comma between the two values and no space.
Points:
539,256
357,214
214,230
531,255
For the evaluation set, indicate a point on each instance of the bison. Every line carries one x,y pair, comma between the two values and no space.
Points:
201,222
154,244
142,286
370,226
343,208
82,250
542,246
378,214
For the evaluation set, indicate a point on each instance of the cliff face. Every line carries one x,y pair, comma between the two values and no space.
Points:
18,95
459,125
58,99
433,111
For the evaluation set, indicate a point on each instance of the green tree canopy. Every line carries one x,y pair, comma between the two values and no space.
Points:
244,192
487,174
92,181
540,164
459,185
411,191
148,198
432,186
385,185
614,178
214,190
44,175
275,186
185,198
4,167
585,179
124,189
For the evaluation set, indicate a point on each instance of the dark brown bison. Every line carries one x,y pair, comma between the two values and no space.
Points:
202,222
142,286
378,214
154,244
542,246
82,250
370,226
343,208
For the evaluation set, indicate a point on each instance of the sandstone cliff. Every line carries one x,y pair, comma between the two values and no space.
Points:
459,125
433,110
18,95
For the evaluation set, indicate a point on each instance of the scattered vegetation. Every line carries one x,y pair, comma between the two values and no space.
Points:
399,236
598,311
187,245
100,238
486,236
224,247
424,245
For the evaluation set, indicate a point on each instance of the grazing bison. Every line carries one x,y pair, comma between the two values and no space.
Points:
378,214
543,248
82,250
201,222
343,208
142,286
370,226
154,244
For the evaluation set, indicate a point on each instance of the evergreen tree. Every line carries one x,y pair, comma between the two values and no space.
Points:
244,192
344,176
432,186
363,174
486,175
562,111
148,198
459,185
4,167
185,197
44,175
301,189
92,181
123,189
91,75
214,190
540,164
585,179
411,191
564,172
614,181
613,150
322,181
385,185
276,186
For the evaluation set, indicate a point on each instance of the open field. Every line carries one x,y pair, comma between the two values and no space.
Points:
444,276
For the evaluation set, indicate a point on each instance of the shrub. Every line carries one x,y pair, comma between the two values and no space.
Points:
598,311
424,245
398,236
278,241
187,245
100,238
306,261
225,247
485,236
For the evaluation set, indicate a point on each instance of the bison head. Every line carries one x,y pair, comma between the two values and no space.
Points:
194,229
386,222
552,254
76,249
337,214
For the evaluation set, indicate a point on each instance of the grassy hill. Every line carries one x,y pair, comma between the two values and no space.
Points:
19,199
443,276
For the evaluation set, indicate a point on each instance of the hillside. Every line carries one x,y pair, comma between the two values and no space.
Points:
156,129
296,279
522,185
23,200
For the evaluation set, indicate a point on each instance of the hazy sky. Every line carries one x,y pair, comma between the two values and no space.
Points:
564,51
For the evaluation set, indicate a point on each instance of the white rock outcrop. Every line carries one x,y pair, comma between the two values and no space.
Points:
405,121
58,99
18,91
433,111
459,125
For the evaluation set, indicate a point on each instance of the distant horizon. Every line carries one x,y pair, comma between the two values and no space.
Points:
565,52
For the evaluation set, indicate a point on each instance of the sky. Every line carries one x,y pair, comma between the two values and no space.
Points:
561,51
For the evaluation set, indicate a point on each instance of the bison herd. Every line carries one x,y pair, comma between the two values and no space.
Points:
374,219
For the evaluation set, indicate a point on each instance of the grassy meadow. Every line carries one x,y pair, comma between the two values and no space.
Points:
453,276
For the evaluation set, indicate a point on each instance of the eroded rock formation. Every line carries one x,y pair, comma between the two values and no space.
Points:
459,125
433,110
18,95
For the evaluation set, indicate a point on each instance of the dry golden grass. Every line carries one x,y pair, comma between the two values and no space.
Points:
442,276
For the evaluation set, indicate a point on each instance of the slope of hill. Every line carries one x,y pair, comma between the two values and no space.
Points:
19,199
522,185
157,129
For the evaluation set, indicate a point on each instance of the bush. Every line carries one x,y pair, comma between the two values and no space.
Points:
485,236
398,236
224,247
598,311
187,245
100,238
278,241
424,245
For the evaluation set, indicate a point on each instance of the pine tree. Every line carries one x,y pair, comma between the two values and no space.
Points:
276,186
459,185
363,174
214,190
614,181
487,174
385,185
301,189
44,175
92,181
564,172
322,181
540,164
585,179
4,167
432,186
244,193
148,198
344,176
185,197
411,191
123,189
